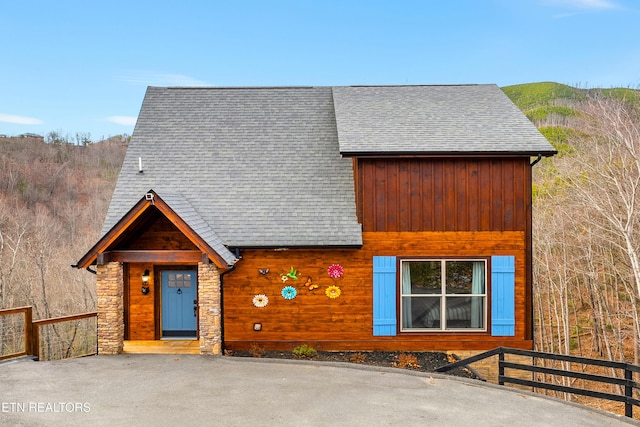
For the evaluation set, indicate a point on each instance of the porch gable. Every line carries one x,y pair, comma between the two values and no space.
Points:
205,244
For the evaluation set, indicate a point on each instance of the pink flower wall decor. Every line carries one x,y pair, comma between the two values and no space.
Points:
335,271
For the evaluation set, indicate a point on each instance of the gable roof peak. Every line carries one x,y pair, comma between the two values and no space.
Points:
180,213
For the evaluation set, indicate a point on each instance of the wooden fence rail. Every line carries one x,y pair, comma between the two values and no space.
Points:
31,346
625,380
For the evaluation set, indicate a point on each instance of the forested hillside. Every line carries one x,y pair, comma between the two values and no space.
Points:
53,199
586,219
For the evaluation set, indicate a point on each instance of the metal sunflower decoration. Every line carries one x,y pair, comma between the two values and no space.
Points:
333,292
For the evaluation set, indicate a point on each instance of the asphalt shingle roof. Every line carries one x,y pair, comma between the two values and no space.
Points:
184,210
433,120
262,167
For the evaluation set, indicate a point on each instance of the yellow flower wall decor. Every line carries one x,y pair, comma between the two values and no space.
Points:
333,292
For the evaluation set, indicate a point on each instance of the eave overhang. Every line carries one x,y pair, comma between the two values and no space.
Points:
448,154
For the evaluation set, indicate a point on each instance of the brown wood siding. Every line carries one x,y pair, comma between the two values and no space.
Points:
158,233
347,322
435,194
141,309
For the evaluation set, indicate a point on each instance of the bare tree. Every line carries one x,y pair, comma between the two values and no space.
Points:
12,233
608,183
587,235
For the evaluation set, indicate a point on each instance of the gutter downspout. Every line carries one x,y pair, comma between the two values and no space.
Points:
233,267
533,323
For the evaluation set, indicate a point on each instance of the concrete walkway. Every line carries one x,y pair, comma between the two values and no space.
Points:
185,390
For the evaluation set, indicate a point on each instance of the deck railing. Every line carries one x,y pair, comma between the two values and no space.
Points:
15,332
46,339
621,374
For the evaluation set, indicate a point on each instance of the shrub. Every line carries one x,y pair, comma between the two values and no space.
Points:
304,351
573,343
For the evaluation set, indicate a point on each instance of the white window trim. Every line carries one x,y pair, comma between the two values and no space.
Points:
442,297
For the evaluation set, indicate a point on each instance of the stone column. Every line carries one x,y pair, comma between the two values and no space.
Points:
110,294
210,313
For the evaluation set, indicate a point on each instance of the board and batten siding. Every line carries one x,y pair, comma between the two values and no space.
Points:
347,323
450,194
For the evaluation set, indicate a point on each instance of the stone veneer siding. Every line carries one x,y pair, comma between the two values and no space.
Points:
110,291
210,313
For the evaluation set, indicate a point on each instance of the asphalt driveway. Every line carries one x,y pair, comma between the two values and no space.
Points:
185,390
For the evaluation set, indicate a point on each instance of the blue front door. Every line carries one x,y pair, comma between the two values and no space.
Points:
179,302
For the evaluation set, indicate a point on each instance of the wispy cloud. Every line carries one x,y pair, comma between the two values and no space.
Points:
123,120
579,7
160,79
19,120
582,4
594,4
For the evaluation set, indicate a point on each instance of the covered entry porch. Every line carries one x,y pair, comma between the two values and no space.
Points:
158,279
135,304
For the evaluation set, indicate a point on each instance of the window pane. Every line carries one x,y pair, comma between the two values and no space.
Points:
465,312
465,277
425,276
171,280
420,312
186,281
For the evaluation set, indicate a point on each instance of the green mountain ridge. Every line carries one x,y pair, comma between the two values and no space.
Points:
531,96
528,96
553,106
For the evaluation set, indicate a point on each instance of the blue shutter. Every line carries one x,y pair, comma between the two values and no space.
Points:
503,280
384,296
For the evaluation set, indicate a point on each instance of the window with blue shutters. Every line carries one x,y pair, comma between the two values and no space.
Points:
443,295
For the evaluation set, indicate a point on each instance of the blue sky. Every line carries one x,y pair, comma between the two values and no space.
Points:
83,66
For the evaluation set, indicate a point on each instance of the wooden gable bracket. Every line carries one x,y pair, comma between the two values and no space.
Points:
102,252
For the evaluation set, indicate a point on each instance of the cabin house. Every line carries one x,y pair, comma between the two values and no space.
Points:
347,218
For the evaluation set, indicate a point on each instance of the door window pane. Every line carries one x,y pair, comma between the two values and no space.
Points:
179,280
